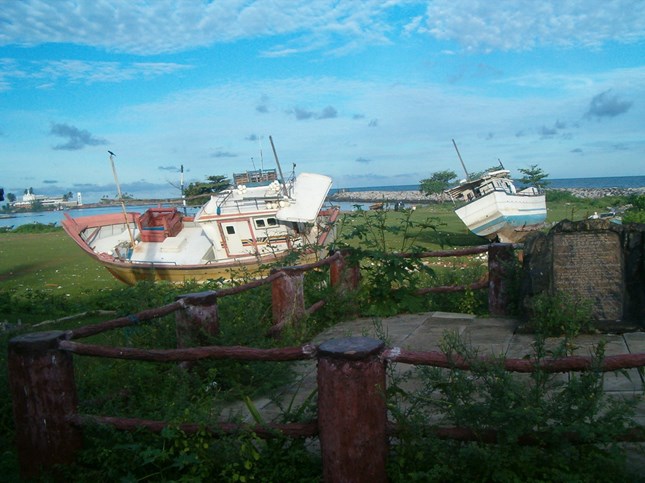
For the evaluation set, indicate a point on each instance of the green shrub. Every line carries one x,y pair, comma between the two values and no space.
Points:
636,214
37,228
560,314
545,407
391,282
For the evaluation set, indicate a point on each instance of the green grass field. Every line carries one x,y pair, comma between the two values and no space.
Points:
49,261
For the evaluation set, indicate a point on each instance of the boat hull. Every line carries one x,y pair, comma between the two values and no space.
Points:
132,273
504,216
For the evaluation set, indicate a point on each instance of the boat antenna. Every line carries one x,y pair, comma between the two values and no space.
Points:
500,163
277,161
462,161
183,195
118,190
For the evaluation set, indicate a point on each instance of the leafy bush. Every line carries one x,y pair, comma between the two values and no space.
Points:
560,314
540,408
636,214
390,280
37,228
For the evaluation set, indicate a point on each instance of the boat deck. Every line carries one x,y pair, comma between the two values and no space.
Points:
189,247
106,244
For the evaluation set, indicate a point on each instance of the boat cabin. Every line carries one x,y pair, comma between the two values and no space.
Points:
488,183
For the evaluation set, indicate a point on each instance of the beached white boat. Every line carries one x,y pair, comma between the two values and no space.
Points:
495,209
238,231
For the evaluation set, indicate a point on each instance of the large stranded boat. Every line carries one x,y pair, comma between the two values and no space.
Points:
239,231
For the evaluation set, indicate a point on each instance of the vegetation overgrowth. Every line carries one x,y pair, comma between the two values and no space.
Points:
44,278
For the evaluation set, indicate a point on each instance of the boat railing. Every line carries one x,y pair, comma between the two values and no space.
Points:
151,262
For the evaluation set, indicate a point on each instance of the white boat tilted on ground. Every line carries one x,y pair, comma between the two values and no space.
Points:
495,209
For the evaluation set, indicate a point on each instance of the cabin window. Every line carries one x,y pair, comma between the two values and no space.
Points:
272,221
260,224
230,230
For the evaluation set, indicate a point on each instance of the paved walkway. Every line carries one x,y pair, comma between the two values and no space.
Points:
424,332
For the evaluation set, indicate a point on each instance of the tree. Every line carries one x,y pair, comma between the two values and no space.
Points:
11,198
534,176
199,191
437,183
68,196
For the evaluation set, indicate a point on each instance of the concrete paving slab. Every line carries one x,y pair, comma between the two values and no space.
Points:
520,346
585,345
635,342
623,381
452,315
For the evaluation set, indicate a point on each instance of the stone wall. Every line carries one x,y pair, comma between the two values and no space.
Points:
593,260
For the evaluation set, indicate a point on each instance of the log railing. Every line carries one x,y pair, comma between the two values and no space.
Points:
41,372
352,422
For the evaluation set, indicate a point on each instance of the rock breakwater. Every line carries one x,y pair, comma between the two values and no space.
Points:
418,197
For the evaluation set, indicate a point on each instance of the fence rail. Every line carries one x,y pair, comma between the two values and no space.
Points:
352,419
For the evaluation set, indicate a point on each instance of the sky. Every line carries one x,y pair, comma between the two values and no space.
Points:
369,92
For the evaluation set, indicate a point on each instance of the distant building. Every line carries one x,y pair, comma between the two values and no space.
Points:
46,201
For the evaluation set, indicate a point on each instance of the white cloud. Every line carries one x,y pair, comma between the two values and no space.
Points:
517,25
288,27
82,71
162,26
94,71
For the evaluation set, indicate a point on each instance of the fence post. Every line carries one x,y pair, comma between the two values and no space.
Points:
352,414
343,275
197,319
500,257
41,381
287,299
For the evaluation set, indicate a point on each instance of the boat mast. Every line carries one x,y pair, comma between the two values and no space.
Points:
462,161
183,195
275,155
118,189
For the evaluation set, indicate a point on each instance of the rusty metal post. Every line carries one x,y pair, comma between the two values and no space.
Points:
41,381
288,298
500,259
197,320
343,275
352,414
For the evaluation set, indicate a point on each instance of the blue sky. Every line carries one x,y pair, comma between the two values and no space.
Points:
368,92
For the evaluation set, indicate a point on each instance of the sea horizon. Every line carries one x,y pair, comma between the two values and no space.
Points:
600,182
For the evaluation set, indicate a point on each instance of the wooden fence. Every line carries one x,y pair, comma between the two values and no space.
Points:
352,418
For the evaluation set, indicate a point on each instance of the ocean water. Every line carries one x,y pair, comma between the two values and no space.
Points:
610,182
47,217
